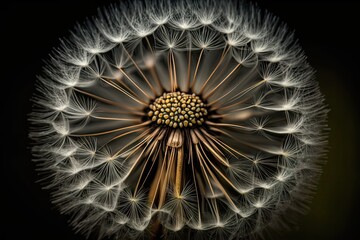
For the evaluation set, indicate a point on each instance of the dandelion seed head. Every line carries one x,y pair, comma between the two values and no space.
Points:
179,119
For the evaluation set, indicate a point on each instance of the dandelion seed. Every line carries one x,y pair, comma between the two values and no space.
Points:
179,119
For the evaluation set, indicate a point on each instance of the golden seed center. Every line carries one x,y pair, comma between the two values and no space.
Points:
178,109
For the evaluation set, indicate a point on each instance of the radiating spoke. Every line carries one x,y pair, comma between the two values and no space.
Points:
203,169
139,70
133,82
219,185
101,99
111,131
197,69
234,88
229,125
172,71
245,91
122,135
224,145
117,119
207,95
226,50
179,171
188,70
120,89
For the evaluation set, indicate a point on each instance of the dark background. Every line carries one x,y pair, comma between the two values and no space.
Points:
327,32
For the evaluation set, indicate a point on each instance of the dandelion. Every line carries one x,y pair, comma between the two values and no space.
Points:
179,119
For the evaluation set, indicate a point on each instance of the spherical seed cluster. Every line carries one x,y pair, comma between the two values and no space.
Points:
121,175
178,109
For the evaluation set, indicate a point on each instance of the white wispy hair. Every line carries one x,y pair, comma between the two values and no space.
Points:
255,155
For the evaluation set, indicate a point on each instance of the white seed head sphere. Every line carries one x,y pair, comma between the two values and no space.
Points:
181,119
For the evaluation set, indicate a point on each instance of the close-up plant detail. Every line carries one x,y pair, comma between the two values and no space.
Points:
179,119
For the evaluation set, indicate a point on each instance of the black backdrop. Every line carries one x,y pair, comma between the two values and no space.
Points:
327,32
